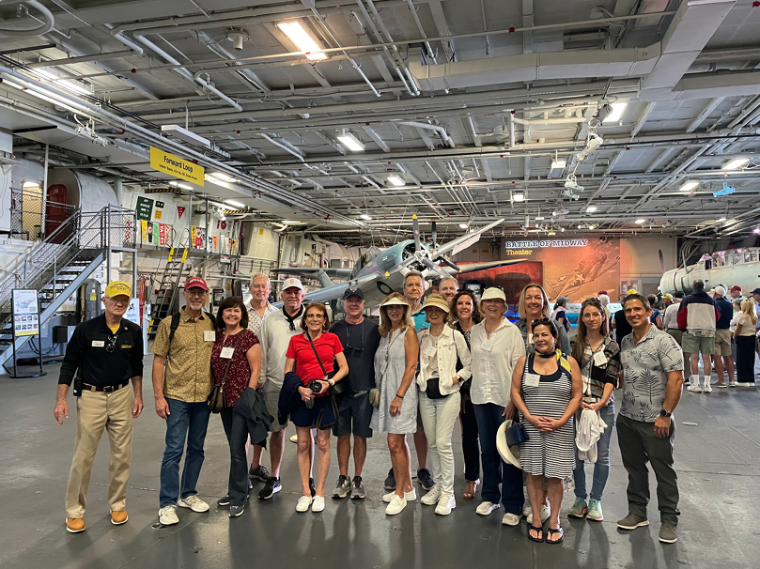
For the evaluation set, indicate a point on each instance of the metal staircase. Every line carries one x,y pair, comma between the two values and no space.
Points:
59,265
166,293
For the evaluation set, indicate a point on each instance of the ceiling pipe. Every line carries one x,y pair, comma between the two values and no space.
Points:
283,146
44,27
439,129
79,59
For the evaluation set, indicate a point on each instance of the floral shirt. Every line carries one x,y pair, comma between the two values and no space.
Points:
239,374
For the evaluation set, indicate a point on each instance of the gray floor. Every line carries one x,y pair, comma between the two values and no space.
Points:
717,462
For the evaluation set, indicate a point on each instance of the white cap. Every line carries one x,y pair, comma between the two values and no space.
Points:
395,301
290,283
509,455
720,290
493,293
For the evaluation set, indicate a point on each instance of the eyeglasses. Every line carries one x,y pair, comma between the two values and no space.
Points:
353,348
111,345
196,292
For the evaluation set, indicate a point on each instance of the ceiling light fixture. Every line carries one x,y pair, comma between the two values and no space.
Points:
303,40
235,204
617,112
736,163
366,217
222,176
757,229
185,186
591,209
688,186
722,219
518,197
641,221
396,180
351,142
463,226
173,184
70,84
30,185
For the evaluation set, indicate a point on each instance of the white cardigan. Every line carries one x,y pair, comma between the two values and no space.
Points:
451,343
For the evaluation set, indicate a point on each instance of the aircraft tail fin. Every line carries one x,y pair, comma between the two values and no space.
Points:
324,280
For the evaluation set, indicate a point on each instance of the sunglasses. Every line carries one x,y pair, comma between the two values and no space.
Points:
539,321
111,345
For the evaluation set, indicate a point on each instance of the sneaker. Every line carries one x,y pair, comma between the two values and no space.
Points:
357,489
304,502
236,511
167,516
408,496
223,502
119,517
271,488
342,488
545,514
446,503
194,503
390,482
694,388
432,496
425,479
579,509
668,533
396,506
318,504
595,511
510,519
721,385
632,521
312,487
486,508
259,473
732,384
707,389
75,525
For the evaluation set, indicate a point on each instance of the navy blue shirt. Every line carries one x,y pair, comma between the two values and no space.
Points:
360,342
726,310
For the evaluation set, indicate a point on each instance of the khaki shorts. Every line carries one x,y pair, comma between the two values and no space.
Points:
272,399
723,342
677,334
697,344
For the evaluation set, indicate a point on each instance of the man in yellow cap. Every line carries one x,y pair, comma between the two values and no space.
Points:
104,353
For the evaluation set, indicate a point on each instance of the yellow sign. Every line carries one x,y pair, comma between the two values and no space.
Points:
177,167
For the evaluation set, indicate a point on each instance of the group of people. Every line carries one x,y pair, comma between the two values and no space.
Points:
532,412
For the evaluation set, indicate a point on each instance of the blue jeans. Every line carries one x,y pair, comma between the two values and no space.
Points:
602,465
495,471
186,421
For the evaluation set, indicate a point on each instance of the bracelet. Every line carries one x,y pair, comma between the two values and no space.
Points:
399,396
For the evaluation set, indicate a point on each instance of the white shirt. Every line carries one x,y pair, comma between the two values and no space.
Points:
493,360
254,320
670,318
438,357
275,335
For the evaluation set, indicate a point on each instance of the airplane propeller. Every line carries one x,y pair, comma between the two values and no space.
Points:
434,235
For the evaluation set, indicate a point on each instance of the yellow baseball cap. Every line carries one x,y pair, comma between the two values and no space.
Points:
631,291
118,288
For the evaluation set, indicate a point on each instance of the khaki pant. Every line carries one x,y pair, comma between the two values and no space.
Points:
95,411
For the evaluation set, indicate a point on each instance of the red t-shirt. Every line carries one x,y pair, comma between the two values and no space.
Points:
307,366
239,374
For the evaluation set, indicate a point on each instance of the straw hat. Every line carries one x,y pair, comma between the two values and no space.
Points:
508,454
437,301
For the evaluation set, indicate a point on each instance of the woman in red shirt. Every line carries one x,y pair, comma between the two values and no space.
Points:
302,359
236,362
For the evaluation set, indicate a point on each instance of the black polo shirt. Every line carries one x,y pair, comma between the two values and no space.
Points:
88,351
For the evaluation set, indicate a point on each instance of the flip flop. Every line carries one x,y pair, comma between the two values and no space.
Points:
470,495
561,533
536,529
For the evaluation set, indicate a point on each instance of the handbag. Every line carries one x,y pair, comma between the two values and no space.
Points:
516,433
433,385
338,388
216,397
374,393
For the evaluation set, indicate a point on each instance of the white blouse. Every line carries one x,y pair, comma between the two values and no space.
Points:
493,360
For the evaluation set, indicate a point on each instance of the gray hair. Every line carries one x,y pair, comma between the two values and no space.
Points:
269,282
604,299
447,279
413,274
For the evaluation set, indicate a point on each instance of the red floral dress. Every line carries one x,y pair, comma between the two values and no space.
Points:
239,374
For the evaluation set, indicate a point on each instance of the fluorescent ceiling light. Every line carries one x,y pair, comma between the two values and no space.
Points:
463,226
31,185
351,142
688,186
73,85
641,221
518,197
562,229
558,164
292,222
173,184
234,203
617,112
366,217
592,226
722,219
736,163
302,39
396,180
222,176
591,209
185,186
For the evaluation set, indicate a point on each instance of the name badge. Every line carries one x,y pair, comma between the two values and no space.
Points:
209,336
530,338
600,359
227,353
430,351
486,345
98,344
532,379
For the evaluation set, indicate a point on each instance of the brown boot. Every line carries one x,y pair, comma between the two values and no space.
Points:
75,525
119,517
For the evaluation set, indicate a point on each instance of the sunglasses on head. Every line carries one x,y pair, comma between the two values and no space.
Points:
539,321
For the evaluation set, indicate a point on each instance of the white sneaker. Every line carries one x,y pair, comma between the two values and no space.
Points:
545,514
707,389
194,503
486,508
167,515
303,504
408,496
694,388
432,496
318,504
510,519
446,503
396,506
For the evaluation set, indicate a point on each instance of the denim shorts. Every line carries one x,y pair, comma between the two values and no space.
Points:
354,416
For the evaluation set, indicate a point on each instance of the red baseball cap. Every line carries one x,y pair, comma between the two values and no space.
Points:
736,288
195,282
601,292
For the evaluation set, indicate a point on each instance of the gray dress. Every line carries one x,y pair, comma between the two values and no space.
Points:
388,380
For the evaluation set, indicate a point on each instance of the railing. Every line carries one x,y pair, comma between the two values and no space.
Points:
80,237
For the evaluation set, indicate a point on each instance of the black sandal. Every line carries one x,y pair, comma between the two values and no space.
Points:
561,533
536,529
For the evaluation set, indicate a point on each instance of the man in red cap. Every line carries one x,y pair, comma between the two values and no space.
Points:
736,293
181,385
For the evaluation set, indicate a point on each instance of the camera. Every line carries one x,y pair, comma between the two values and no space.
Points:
315,387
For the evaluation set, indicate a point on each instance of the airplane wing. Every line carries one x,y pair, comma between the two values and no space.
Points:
461,243
336,291
470,267
343,273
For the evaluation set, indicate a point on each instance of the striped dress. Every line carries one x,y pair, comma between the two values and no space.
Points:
548,454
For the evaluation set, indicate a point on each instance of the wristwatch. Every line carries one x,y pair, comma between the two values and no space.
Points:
664,413
331,382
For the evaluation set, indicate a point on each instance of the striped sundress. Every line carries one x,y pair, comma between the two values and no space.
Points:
548,454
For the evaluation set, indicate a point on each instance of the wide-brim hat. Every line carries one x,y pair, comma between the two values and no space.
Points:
508,455
494,293
395,302
437,301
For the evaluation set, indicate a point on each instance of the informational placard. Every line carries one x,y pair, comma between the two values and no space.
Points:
159,210
26,312
144,208
176,166
133,311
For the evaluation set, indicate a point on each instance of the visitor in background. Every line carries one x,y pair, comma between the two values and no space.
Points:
449,287
560,313
620,323
745,344
670,319
656,317
697,317
723,357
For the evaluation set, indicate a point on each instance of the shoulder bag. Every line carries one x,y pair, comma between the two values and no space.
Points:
216,397
338,388
374,393
517,434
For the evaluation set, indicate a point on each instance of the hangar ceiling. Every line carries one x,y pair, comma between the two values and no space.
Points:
606,116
